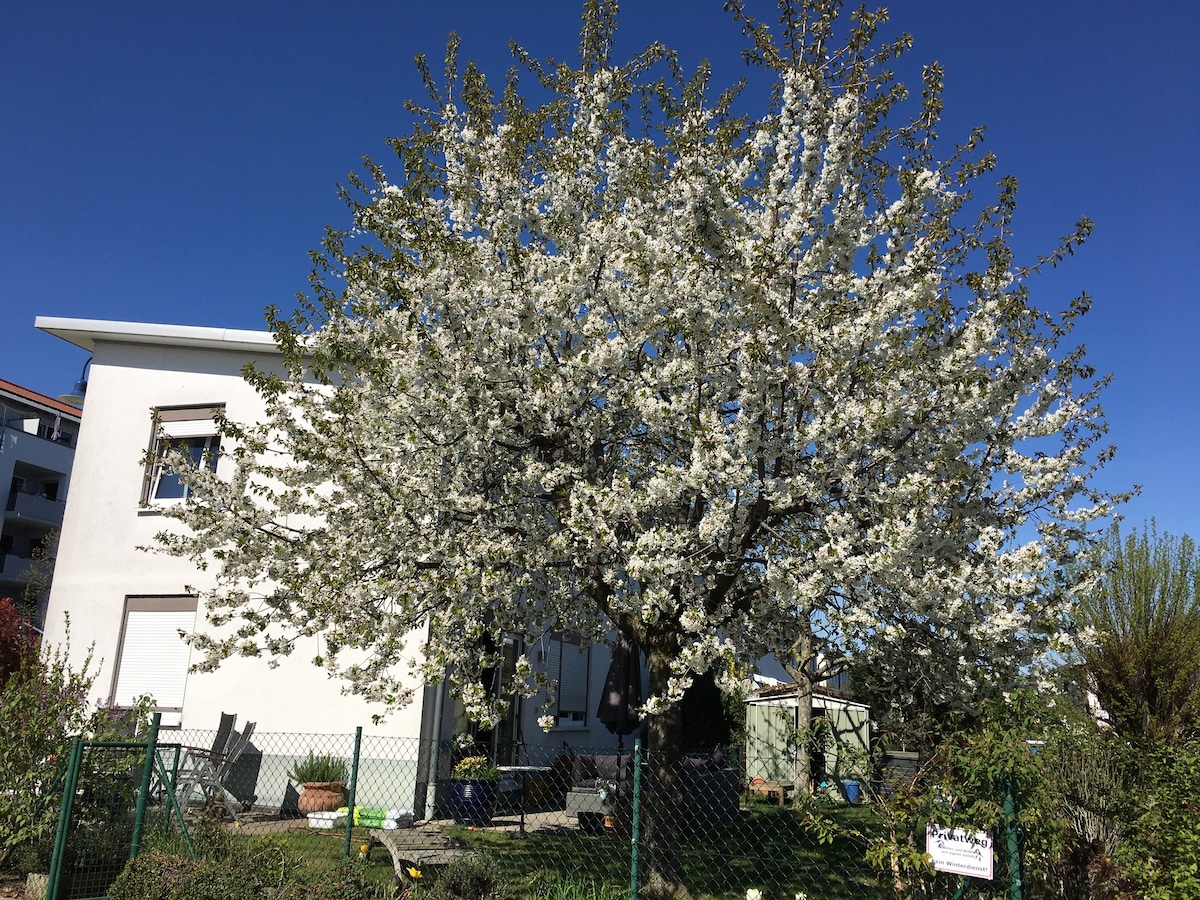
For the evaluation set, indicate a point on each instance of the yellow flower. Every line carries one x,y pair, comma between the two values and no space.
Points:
413,872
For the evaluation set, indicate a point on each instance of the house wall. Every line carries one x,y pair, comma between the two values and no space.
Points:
101,565
100,562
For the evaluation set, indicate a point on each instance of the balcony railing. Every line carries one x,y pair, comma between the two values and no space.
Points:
34,508
15,568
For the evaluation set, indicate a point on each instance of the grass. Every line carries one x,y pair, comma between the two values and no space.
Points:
767,847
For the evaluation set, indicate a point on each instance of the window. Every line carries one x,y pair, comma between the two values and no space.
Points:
190,430
567,663
153,657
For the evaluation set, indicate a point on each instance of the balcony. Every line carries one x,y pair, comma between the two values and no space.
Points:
34,509
15,568
54,456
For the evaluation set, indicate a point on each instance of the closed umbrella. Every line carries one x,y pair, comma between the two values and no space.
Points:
622,694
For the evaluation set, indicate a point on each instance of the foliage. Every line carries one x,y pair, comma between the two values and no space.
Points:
41,573
622,357
42,706
316,769
476,768
962,783
346,881
1144,664
1160,850
282,866
155,875
580,889
605,354
473,877
17,646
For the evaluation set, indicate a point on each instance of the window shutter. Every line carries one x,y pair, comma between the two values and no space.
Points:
190,428
154,658
572,691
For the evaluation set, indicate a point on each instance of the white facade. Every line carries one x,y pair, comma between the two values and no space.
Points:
37,448
111,587
120,596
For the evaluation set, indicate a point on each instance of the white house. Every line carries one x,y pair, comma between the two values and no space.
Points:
37,447
152,381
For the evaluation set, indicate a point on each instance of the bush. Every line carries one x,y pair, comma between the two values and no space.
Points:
159,876
467,878
43,704
17,645
239,870
1161,844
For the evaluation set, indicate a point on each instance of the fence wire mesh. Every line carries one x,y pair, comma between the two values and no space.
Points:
97,836
598,822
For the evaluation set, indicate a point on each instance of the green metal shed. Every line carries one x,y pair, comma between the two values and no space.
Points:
771,721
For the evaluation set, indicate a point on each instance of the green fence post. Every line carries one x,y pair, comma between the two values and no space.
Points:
352,791
70,783
139,813
1012,841
172,803
636,826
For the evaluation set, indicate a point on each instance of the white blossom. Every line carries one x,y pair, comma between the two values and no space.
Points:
733,392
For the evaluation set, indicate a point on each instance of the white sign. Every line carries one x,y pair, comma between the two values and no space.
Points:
959,851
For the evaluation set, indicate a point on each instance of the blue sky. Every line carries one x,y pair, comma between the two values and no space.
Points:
174,162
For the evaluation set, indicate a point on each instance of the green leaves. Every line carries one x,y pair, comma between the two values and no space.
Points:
1144,660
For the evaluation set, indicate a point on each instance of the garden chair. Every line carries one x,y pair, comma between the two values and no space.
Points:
205,770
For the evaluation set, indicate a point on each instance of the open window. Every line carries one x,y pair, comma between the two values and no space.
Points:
567,662
191,430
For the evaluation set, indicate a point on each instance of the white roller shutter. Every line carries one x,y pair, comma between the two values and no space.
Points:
189,428
154,658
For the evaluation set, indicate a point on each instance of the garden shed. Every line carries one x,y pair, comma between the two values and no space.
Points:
771,720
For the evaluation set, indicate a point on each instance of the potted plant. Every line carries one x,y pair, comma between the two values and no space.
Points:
323,779
473,788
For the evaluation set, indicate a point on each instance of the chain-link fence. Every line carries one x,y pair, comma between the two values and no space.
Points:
616,821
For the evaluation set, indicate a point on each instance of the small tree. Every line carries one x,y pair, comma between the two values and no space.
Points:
1144,664
610,355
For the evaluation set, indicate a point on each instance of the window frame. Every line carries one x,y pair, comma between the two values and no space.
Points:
176,418
558,641
172,715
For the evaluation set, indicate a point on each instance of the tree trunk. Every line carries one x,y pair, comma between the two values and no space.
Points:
802,761
803,654
662,783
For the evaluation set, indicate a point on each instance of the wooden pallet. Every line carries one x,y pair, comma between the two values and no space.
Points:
419,846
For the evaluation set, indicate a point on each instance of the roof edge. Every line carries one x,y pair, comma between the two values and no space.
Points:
86,333
37,399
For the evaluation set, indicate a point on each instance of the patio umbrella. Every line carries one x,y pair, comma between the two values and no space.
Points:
622,693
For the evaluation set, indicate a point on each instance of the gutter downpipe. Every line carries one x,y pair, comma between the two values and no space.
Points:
435,749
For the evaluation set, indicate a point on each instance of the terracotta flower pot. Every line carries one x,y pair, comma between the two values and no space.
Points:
322,796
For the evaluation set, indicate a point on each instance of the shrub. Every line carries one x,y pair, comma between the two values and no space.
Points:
316,769
240,870
467,878
17,645
159,876
43,704
476,768
1160,850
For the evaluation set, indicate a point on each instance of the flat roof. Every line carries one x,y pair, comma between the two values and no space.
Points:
86,333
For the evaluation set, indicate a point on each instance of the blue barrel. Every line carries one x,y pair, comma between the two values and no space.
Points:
852,791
